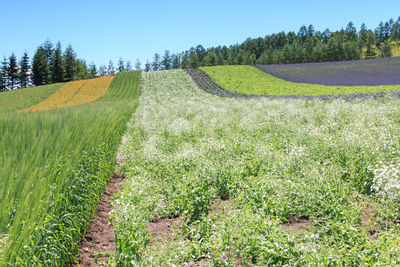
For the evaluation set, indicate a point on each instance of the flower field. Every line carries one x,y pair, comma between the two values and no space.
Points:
75,93
250,80
265,182
54,165
379,71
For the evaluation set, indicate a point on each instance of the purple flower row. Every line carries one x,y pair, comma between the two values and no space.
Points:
205,83
379,71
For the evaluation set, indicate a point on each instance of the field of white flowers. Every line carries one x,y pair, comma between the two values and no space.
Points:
243,182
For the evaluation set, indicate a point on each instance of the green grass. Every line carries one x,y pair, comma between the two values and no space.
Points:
236,171
26,97
53,167
250,80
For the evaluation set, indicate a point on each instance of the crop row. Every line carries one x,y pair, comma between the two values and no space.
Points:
252,81
54,165
381,71
75,93
204,82
266,182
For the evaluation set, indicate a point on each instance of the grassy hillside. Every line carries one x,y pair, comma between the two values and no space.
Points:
249,80
53,167
232,181
22,98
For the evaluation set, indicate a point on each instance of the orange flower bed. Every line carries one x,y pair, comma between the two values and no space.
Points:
74,93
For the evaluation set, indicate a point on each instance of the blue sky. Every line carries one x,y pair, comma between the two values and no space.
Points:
103,30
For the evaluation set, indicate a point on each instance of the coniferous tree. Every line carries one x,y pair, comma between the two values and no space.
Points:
92,71
111,70
69,59
137,64
39,67
3,75
156,62
121,65
147,66
48,48
13,72
176,62
166,60
56,65
24,74
103,71
82,71
128,66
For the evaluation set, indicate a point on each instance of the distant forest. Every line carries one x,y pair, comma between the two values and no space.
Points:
50,64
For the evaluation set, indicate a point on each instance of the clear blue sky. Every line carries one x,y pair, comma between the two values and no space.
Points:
103,30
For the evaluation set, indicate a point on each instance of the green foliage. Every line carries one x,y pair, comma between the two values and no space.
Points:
54,167
249,80
235,175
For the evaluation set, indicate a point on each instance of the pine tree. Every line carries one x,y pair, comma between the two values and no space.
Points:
156,62
3,75
39,66
13,72
48,48
103,71
69,58
137,64
82,71
92,71
111,70
57,66
128,66
166,61
147,66
176,61
24,74
121,65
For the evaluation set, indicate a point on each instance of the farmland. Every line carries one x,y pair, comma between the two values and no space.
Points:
75,93
250,80
234,181
54,165
382,71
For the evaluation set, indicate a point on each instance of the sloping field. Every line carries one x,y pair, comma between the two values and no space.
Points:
54,165
22,98
250,80
75,93
233,181
378,71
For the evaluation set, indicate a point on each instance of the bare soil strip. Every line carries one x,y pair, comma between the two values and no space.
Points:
99,242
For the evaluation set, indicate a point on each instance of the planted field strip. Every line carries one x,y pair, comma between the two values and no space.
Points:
26,97
252,81
204,82
257,182
378,71
54,165
75,93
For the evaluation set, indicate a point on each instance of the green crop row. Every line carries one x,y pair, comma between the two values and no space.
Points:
232,181
18,99
250,80
54,165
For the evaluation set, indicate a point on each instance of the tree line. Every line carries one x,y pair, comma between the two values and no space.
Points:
50,64
307,45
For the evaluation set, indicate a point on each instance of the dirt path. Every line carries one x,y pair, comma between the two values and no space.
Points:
99,242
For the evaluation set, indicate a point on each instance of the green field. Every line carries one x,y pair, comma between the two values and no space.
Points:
250,80
18,99
257,182
53,167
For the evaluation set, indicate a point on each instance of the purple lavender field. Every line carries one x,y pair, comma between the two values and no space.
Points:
379,71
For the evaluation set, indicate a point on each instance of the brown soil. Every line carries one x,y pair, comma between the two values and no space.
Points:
162,229
296,223
99,241
369,221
